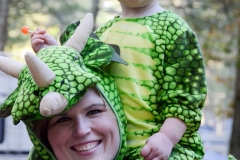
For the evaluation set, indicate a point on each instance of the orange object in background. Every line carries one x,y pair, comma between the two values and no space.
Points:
26,30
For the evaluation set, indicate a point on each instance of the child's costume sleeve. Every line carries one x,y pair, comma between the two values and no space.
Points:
184,81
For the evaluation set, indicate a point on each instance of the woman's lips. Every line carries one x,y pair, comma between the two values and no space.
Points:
86,147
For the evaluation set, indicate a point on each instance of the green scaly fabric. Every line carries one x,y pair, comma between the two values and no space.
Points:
75,73
165,77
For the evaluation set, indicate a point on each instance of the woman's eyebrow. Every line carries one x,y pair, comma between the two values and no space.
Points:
94,105
86,108
61,114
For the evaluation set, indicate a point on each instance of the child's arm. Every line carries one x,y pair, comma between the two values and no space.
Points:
169,135
173,128
40,39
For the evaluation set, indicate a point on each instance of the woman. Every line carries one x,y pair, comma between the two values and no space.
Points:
85,131
70,106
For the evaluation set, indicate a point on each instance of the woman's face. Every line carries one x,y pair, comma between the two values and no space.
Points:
88,130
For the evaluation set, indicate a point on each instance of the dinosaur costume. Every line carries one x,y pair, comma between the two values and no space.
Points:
56,79
165,77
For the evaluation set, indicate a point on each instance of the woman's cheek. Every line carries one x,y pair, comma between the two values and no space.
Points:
56,136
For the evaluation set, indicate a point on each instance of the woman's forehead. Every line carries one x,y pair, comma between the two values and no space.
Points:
91,97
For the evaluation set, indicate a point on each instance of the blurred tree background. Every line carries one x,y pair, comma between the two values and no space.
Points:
216,22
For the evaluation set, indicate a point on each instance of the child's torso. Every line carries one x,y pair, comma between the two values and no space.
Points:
142,45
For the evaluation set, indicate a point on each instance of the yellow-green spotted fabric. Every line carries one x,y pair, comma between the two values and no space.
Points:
165,77
74,73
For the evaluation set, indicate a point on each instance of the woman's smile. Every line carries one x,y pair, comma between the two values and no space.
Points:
86,147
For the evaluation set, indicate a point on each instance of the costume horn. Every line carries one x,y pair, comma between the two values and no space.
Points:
10,67
81,34
52,103
41,73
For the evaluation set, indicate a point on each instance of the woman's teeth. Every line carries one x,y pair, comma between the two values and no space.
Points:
86,147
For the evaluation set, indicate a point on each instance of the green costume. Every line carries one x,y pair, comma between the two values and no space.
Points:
74,73
165,77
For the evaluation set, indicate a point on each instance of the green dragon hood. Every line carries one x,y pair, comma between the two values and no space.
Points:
73,73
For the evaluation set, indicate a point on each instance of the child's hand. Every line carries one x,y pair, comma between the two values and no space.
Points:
40,39
157,147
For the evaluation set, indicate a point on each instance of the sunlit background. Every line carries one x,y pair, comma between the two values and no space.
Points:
216,23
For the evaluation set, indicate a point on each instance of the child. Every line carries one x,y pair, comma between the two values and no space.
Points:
163,88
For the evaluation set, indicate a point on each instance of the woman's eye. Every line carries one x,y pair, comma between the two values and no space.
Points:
63,119
93,112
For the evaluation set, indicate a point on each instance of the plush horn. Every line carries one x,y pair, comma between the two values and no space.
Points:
10,67
41,73
52,103
81,34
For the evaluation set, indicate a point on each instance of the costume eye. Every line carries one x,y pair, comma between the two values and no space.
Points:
36,93
76,57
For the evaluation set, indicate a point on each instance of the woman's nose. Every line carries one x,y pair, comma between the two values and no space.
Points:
81,127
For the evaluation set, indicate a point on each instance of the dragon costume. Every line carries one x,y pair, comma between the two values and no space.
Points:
56,78
165,77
